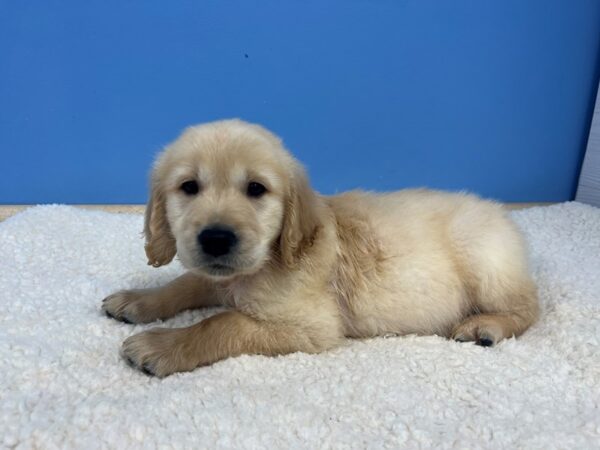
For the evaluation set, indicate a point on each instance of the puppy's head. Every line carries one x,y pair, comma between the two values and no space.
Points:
228,198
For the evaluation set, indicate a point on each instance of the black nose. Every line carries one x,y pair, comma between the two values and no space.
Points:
217,241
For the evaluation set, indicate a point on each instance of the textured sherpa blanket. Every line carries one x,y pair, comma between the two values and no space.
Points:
63,384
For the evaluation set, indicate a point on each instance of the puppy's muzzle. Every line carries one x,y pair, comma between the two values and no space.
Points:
217,240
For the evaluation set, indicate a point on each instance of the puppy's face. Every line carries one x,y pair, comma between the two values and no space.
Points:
220,195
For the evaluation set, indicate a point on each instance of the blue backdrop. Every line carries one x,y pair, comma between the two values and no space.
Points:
486,95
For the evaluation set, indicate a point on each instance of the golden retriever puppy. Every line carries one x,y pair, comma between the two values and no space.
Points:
302,272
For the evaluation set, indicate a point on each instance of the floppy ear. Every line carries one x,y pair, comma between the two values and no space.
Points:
160,243
301,220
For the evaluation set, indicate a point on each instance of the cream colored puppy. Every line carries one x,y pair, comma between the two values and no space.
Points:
301,271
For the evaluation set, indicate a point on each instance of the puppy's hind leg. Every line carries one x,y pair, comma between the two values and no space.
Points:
497,319
491,256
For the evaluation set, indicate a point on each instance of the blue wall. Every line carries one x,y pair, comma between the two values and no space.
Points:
491,96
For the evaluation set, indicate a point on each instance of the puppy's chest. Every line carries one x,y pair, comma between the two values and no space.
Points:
249,296
233,295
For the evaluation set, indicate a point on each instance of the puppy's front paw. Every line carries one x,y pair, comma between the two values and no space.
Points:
134,306
159,352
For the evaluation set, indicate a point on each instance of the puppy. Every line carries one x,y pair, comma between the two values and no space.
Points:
303,272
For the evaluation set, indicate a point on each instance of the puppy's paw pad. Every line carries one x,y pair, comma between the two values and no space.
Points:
485,342
148,370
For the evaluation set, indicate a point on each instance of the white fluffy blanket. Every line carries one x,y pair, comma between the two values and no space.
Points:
63,384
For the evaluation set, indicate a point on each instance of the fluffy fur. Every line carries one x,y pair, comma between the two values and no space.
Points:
311,270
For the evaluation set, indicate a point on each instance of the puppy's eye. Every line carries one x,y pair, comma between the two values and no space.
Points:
190,187
256,189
